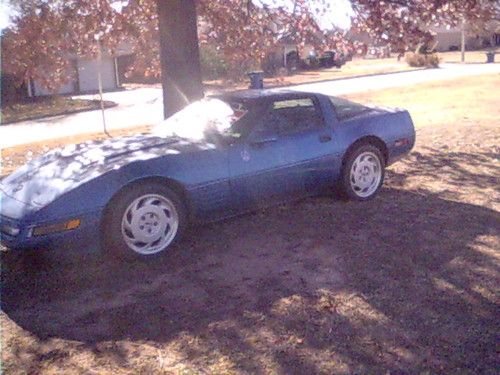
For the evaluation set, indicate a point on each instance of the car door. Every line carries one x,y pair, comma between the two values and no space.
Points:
257,166
311,150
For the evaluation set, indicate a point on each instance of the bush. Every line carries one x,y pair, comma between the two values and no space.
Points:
422,60
213,64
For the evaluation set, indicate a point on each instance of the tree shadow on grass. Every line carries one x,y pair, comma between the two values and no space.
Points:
404,283
458,169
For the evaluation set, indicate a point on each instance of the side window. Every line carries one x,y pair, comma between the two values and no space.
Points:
296,115
240,120
270,122
345,109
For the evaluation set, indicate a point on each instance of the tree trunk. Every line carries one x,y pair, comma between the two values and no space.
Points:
179,53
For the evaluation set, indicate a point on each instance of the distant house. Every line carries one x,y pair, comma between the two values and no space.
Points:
451,38
86,75
285,54
447,38
367,46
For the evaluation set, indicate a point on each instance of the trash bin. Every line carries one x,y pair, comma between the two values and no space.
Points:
490,57
256,80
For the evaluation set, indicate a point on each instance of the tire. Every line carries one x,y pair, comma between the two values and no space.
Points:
363,173
143,222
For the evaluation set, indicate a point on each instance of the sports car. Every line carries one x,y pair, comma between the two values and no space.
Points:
218,157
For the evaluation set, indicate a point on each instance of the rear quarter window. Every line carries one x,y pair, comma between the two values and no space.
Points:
294,103
345,109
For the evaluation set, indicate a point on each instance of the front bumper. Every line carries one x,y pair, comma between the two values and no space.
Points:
87,233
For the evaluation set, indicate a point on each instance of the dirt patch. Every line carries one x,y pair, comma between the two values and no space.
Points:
406,283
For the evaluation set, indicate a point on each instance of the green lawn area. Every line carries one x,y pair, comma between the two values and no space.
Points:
48,106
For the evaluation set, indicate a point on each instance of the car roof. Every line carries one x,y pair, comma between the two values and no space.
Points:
262,95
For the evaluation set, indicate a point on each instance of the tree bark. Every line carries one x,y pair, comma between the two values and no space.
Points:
179,53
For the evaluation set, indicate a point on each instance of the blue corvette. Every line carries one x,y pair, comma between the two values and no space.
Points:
218,157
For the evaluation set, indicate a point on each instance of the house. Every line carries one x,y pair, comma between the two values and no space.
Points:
367,46
450,38
447,38
86,74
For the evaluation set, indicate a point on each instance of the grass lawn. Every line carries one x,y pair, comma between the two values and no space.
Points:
470,56
452,119
405,283
356,67
360,67
466,100
48,106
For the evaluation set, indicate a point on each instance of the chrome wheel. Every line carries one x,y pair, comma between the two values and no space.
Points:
365,174
150,224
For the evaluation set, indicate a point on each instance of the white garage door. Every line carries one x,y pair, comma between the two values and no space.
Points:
87,74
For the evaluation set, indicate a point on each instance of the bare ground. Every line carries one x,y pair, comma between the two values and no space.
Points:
406,283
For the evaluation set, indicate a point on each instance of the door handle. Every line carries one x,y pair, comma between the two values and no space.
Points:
325,138
262,142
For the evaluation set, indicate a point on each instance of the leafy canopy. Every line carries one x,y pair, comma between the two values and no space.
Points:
46,32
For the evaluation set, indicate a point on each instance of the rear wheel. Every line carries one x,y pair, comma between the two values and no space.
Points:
363,173
143,221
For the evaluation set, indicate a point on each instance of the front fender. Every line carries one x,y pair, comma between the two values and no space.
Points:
95,194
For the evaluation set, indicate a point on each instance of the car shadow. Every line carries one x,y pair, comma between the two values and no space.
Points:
405,281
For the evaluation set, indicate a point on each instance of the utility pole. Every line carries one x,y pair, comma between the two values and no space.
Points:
179,53
462,57
99,80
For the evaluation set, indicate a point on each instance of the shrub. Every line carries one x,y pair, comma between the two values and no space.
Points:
422,60
432,60
213,64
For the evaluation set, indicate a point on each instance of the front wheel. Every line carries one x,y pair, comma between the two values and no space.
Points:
143,221
363,173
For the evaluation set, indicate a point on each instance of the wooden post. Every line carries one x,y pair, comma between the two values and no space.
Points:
99,81
179,53
462,49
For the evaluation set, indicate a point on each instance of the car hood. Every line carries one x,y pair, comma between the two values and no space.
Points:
44,179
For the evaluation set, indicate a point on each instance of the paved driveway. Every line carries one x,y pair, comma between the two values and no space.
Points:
144,106
136,107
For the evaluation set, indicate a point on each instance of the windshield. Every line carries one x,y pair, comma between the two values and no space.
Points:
203,120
